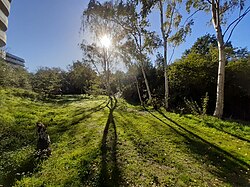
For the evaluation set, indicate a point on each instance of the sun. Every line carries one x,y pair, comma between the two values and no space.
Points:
106,41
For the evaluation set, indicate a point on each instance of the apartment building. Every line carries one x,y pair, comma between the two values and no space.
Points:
15,60
4,13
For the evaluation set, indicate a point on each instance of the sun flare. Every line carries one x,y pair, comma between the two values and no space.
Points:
106,41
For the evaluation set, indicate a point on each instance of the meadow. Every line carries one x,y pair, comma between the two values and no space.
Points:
94,144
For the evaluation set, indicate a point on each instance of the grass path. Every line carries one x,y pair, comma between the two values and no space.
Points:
93,145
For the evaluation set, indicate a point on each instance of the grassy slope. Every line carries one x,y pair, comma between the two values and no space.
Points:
129,147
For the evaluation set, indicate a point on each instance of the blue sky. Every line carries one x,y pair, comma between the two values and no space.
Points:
47,32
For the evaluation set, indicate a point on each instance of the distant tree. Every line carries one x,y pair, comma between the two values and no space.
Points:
241,54
133,89
192,77
14,76
220,9
81,77
47,81
202,45
117,81
23,78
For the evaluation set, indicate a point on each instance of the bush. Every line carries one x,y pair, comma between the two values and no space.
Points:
195,108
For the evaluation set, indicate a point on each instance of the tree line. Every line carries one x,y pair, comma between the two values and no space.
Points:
192,79
79,78
197,82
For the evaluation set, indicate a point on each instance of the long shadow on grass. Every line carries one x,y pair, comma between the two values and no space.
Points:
231,134
69,125
110,173
142,144
229,168
221,129
61,100
92,110
210,144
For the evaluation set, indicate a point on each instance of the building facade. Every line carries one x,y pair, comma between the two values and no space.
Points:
13,59
4,13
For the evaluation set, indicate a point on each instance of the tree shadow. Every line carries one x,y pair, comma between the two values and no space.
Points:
137,138
220,129
62,100
110,174
91,110
229,168
69,126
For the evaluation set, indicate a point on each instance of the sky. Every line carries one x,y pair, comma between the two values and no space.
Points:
47,32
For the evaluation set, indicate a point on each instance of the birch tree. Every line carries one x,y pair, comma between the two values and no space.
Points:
101,38
220,11
137,28
129,26
173,31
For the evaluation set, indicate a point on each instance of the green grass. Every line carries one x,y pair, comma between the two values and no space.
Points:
128,146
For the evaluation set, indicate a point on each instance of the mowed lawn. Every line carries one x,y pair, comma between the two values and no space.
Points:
128,146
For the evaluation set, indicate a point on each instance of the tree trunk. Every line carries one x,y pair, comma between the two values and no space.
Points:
138,91
146,82
108,78
166,94
142,67
106,71
221,79
222,59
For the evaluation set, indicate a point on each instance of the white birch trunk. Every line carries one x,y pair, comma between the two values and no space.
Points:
218,112
220,81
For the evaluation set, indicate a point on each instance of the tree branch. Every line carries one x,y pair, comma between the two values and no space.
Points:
172,54
92,61
226,9
236,20
214,14
195,12
237,24
171,22
209,1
